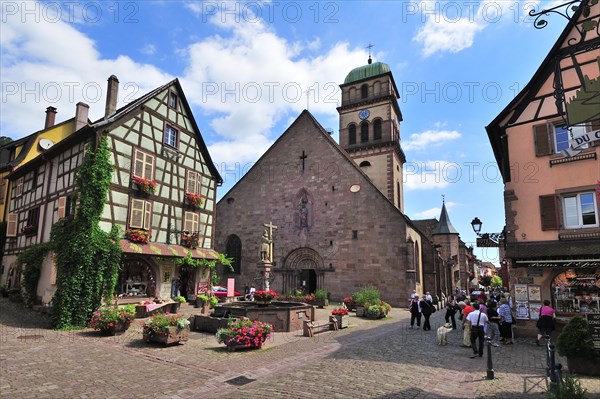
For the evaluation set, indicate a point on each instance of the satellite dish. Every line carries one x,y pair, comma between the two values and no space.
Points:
45,143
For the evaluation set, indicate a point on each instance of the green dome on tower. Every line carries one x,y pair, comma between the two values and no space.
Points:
367,71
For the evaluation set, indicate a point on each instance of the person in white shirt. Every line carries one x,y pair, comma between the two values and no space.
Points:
428,297
478,320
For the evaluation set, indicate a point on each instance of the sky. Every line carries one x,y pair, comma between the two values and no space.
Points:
248,69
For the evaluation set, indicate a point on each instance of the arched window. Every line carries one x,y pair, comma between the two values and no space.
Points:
365,164
377,129
352,134
364,132
417,255
233,249
364,91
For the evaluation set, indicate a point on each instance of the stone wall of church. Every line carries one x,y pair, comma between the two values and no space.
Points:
357,238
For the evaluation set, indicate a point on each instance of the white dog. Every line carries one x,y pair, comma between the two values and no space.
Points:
442,333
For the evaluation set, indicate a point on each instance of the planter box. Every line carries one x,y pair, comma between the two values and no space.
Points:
585,366
117,329
360,311
173,335
343,321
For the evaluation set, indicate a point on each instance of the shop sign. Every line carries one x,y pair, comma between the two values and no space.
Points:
524,280
487,243
535,272
593,320
567,264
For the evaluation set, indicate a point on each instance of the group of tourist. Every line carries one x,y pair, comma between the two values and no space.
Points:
491,318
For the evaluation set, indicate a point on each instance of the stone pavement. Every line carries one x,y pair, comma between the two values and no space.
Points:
371,359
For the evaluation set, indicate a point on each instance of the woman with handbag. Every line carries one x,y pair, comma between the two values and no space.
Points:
545,323
451,307
506,321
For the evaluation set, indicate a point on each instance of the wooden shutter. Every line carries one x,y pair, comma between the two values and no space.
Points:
19,187
190,222
138,163
191,182
148,166
147,215
62,204
541,138
11,225
2,190
136,214
549,212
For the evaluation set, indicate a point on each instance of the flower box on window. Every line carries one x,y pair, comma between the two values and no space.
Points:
190,240
145,185
138,235
29,230
194,200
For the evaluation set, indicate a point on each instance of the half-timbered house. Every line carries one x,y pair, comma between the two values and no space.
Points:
162,191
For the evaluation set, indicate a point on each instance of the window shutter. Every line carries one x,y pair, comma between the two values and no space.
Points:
191,182
195,222
138,163
2,190
541,138
188,222
11,225
19,187
148,166
62,202
148,215
136,215
549,212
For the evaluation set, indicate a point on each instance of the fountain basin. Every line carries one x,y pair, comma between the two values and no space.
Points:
284,316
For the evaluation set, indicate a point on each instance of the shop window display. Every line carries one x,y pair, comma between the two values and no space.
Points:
577,291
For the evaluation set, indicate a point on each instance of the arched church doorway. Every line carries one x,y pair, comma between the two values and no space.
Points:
136,278
303,270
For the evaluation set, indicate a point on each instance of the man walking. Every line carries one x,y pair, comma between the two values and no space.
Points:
478,320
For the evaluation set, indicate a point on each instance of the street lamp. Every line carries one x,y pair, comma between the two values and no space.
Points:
476,223
487,239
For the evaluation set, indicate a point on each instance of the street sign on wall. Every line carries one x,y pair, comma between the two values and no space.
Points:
487,243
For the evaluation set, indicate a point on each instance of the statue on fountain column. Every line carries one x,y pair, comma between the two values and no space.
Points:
265,247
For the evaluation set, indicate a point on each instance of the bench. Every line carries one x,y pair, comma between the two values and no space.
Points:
312,327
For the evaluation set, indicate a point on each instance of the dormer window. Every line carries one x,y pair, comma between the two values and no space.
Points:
172,100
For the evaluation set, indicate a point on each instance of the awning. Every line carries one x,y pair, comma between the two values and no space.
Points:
568,263
172,250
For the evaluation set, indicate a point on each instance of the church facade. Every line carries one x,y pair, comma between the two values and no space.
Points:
337,207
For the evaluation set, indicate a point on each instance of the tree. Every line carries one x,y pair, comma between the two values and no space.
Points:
496,282
5,140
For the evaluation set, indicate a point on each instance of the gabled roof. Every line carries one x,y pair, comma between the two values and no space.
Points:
336,146
126,109
445,226
495,131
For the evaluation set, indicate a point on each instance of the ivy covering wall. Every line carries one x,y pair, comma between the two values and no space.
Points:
88,258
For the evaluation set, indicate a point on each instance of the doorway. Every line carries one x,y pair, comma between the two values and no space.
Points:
308,281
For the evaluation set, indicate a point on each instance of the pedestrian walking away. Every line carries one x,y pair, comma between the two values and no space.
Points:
478,320
545,323
415,312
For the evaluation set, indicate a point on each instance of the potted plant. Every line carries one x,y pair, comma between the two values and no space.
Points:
112,320
145,185
194,200
575,343
349,302
264,297
213,301
202,301
166,328
340,316
139,236
178,300
244,334
190,240
321,298
368,295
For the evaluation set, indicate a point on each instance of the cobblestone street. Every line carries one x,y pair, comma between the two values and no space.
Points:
371,359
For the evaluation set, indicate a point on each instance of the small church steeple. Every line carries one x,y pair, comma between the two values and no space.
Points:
444,226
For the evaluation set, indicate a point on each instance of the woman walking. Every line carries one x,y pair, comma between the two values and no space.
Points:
545,323
506,321
451,306
415,311
426,311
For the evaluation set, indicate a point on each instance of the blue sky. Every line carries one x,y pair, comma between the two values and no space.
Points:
245,68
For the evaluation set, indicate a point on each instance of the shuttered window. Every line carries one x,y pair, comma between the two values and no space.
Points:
11,225
193,182
549,212
542,140
191,222
62,204
143,164
140,214
19,187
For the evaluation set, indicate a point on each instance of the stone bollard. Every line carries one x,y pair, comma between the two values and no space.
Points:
490,366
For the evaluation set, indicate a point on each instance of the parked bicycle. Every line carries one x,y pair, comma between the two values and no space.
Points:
553,370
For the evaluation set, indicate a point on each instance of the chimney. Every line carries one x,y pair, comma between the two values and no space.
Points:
81,115
50,117
111,96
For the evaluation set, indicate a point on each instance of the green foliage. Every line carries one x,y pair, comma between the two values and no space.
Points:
575,339
32,259
320,294
5,140
496,281
179,299
210,264
368,294
88,258
159,324
569,389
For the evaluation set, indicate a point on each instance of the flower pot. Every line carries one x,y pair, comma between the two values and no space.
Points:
342,320
119,327
322,302
263,304
232,346
169,336
360,311
585,366
175,307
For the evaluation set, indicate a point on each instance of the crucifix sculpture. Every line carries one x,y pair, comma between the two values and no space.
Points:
266,254
303,157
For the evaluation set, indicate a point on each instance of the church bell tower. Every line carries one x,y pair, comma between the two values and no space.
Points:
370,127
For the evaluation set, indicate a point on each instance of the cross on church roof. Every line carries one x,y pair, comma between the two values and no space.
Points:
370,46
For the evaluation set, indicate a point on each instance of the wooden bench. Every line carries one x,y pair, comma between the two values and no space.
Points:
312,327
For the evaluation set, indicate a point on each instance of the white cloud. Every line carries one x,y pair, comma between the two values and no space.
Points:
429,138
433,213
50,63
429,175
148,49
